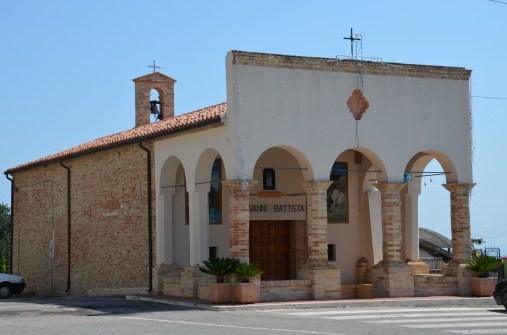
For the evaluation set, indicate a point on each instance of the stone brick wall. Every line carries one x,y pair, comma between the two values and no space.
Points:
346,65
285,290
39,227
109,245
357,291
435,285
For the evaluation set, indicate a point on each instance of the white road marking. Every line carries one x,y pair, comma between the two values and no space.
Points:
401,315
481,318
390,310
458,325
479,331
485,320
230,326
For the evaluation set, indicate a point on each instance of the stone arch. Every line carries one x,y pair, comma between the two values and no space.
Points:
411,204
204,165
420,160
302,161
285,161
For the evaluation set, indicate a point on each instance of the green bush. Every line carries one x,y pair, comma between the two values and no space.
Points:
219,267
482,264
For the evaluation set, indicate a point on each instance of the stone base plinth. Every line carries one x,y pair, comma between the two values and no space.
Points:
162,271
392,279
419,267
463,273
326,282
189,279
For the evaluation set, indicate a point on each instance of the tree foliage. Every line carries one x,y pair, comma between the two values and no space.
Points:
5,233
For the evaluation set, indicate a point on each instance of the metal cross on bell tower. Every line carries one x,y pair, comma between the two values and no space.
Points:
352,40
154,67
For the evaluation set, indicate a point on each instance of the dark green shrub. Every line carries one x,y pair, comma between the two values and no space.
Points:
482,264
247,270
219,267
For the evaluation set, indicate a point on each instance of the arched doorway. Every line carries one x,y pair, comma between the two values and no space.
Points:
278,241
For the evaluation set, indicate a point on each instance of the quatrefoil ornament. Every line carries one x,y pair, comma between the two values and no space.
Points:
357,104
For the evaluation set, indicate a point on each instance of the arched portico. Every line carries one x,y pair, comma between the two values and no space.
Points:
415,172
355,231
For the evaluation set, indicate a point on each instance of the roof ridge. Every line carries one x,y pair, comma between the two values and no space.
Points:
193,119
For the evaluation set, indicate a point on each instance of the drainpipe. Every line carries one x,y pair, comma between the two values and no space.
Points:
11,247
69,220
150,243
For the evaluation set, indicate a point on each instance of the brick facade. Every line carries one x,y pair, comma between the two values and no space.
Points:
109,242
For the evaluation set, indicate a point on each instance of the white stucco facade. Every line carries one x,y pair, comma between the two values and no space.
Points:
290,114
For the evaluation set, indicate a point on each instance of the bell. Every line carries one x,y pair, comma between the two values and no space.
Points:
153,107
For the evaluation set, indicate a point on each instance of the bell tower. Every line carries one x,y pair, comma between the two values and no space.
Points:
163,107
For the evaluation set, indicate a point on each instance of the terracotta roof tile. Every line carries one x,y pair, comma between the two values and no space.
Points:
212,114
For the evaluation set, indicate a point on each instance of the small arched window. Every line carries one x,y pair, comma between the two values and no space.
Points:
268,179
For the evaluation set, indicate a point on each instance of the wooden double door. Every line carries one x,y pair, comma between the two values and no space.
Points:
270,248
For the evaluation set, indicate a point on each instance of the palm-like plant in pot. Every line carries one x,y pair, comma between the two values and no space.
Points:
246,291
245,271
221,268
483,285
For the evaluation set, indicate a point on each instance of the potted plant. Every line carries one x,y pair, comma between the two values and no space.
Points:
483,285
246,291
220,291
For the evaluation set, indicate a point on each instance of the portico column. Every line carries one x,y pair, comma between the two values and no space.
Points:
199,223
392,277
239,217
164,226
390,194
461,240
316,221
410,227
326,279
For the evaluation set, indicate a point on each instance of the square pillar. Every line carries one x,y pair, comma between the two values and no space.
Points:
326,279
461,240
239,217
392,277
199,223
164,236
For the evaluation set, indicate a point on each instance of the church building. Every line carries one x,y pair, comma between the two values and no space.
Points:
311,169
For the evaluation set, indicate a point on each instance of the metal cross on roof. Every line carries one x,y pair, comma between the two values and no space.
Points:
352,40
154,67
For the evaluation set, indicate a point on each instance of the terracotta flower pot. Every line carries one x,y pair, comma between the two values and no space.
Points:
246,293
220,293
482,287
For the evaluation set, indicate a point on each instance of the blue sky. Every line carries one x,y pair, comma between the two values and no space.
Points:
66,69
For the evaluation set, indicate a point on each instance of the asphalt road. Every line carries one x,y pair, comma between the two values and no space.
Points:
73,315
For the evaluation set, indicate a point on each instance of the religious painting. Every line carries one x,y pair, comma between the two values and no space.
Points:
338,194
215,193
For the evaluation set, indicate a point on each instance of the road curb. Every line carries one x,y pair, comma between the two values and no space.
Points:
394,302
